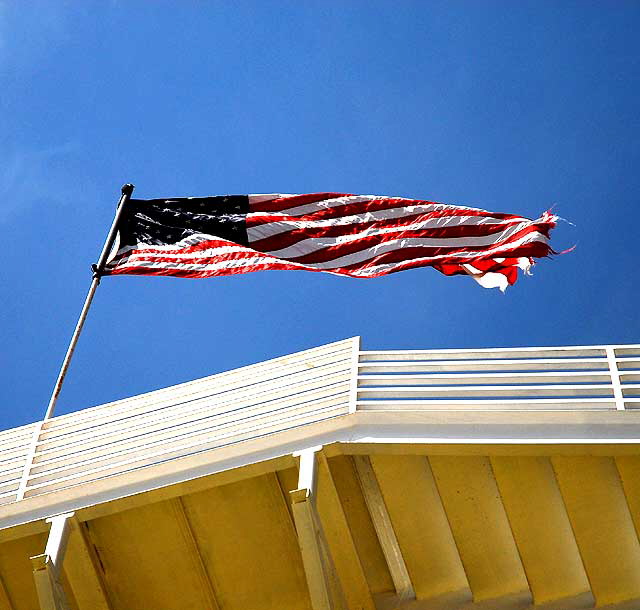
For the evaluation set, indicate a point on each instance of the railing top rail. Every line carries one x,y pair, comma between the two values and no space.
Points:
488,351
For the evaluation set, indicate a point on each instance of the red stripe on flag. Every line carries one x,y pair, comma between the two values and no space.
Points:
284,203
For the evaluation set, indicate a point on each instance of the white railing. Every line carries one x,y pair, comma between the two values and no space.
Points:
558,378
304,388
227,408
14,459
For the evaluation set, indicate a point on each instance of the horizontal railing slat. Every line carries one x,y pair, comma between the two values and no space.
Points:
8,498
455,404
495,391
625,364
486,353
10,486
629,377
485,379
16,443
461,366
627,350
20,431
13,470
10,457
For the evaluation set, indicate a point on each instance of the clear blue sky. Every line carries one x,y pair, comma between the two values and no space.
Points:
509,106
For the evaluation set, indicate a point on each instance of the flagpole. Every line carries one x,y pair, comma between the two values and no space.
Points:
98,268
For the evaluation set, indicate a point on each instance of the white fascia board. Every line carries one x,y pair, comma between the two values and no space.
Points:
540,427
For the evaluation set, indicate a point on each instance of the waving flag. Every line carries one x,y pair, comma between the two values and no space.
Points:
361,236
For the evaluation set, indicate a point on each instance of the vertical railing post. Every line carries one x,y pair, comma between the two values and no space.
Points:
355,369
31,452
615,377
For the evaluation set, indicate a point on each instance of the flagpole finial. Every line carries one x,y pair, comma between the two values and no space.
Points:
127,189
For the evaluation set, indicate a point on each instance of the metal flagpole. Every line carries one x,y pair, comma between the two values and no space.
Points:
98,268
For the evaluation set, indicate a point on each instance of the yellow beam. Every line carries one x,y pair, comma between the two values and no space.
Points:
249,545
48,584
384,528
5,601
83,570
196,556
17,570
480,526
541,527
340,540
311,551
629,469
359,522
602,525
147,560
420,523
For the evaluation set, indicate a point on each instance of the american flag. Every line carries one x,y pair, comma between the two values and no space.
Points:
361,236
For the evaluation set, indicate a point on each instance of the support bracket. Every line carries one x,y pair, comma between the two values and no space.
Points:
47,567
324,587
